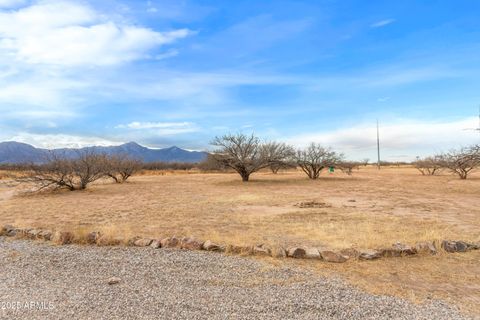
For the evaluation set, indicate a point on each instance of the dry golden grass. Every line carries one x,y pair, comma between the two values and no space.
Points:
367,210
370,209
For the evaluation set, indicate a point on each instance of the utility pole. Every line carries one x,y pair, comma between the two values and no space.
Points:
378,147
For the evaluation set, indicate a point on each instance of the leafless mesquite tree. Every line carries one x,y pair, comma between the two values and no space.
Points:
121,167
246,154
77,173
315,158
429,166
60,172
348,166
462,161
212,164
280,155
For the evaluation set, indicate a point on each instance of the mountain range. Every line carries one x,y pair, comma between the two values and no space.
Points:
12,152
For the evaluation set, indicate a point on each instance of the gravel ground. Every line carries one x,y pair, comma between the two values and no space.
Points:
71,282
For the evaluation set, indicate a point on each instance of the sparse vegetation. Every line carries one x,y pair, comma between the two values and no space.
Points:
246,154
429,166
315,158
463,161
348,166
59,172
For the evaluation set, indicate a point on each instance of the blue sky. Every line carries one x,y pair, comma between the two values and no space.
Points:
162,73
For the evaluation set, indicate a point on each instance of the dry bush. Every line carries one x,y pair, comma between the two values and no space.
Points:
212,164
348,166
280,155
429,165
168,166
315,158
120,168
462,161
60,172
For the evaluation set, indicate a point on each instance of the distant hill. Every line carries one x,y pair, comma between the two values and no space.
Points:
15,152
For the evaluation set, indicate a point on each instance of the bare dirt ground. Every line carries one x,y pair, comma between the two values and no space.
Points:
367,210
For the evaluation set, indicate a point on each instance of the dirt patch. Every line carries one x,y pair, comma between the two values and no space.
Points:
312,204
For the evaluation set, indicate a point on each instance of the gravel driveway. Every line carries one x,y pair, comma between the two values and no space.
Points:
70,282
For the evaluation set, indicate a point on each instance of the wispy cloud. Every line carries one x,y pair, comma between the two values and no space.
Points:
162,128
382,23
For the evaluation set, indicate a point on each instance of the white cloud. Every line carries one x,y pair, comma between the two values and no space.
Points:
382,23
397,138
50,141
161,128
73,34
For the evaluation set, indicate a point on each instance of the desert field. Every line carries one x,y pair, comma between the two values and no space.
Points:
369,209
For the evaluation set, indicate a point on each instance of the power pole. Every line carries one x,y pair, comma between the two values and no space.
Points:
378,147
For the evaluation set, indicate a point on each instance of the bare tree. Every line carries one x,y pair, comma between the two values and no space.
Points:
121,167
211,164
275,167
366,161
280,155
462,161
88,167
315,158
60,172
429,165
348,166
246,154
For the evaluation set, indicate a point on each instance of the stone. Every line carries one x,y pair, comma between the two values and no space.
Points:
242,250
33,233
156,243
172,242
312,253
62,237
425,247
369,255
9,231
279,252
474,246
331,256
45,235
113,280
131,241
261,250
191,244
454,246
296,252
210,246
397,250
6,229
350,253
92,237
404,249
143,242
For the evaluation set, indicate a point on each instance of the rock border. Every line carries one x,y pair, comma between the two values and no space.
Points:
296,252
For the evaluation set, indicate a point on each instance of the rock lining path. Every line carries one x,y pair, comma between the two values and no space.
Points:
180,284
